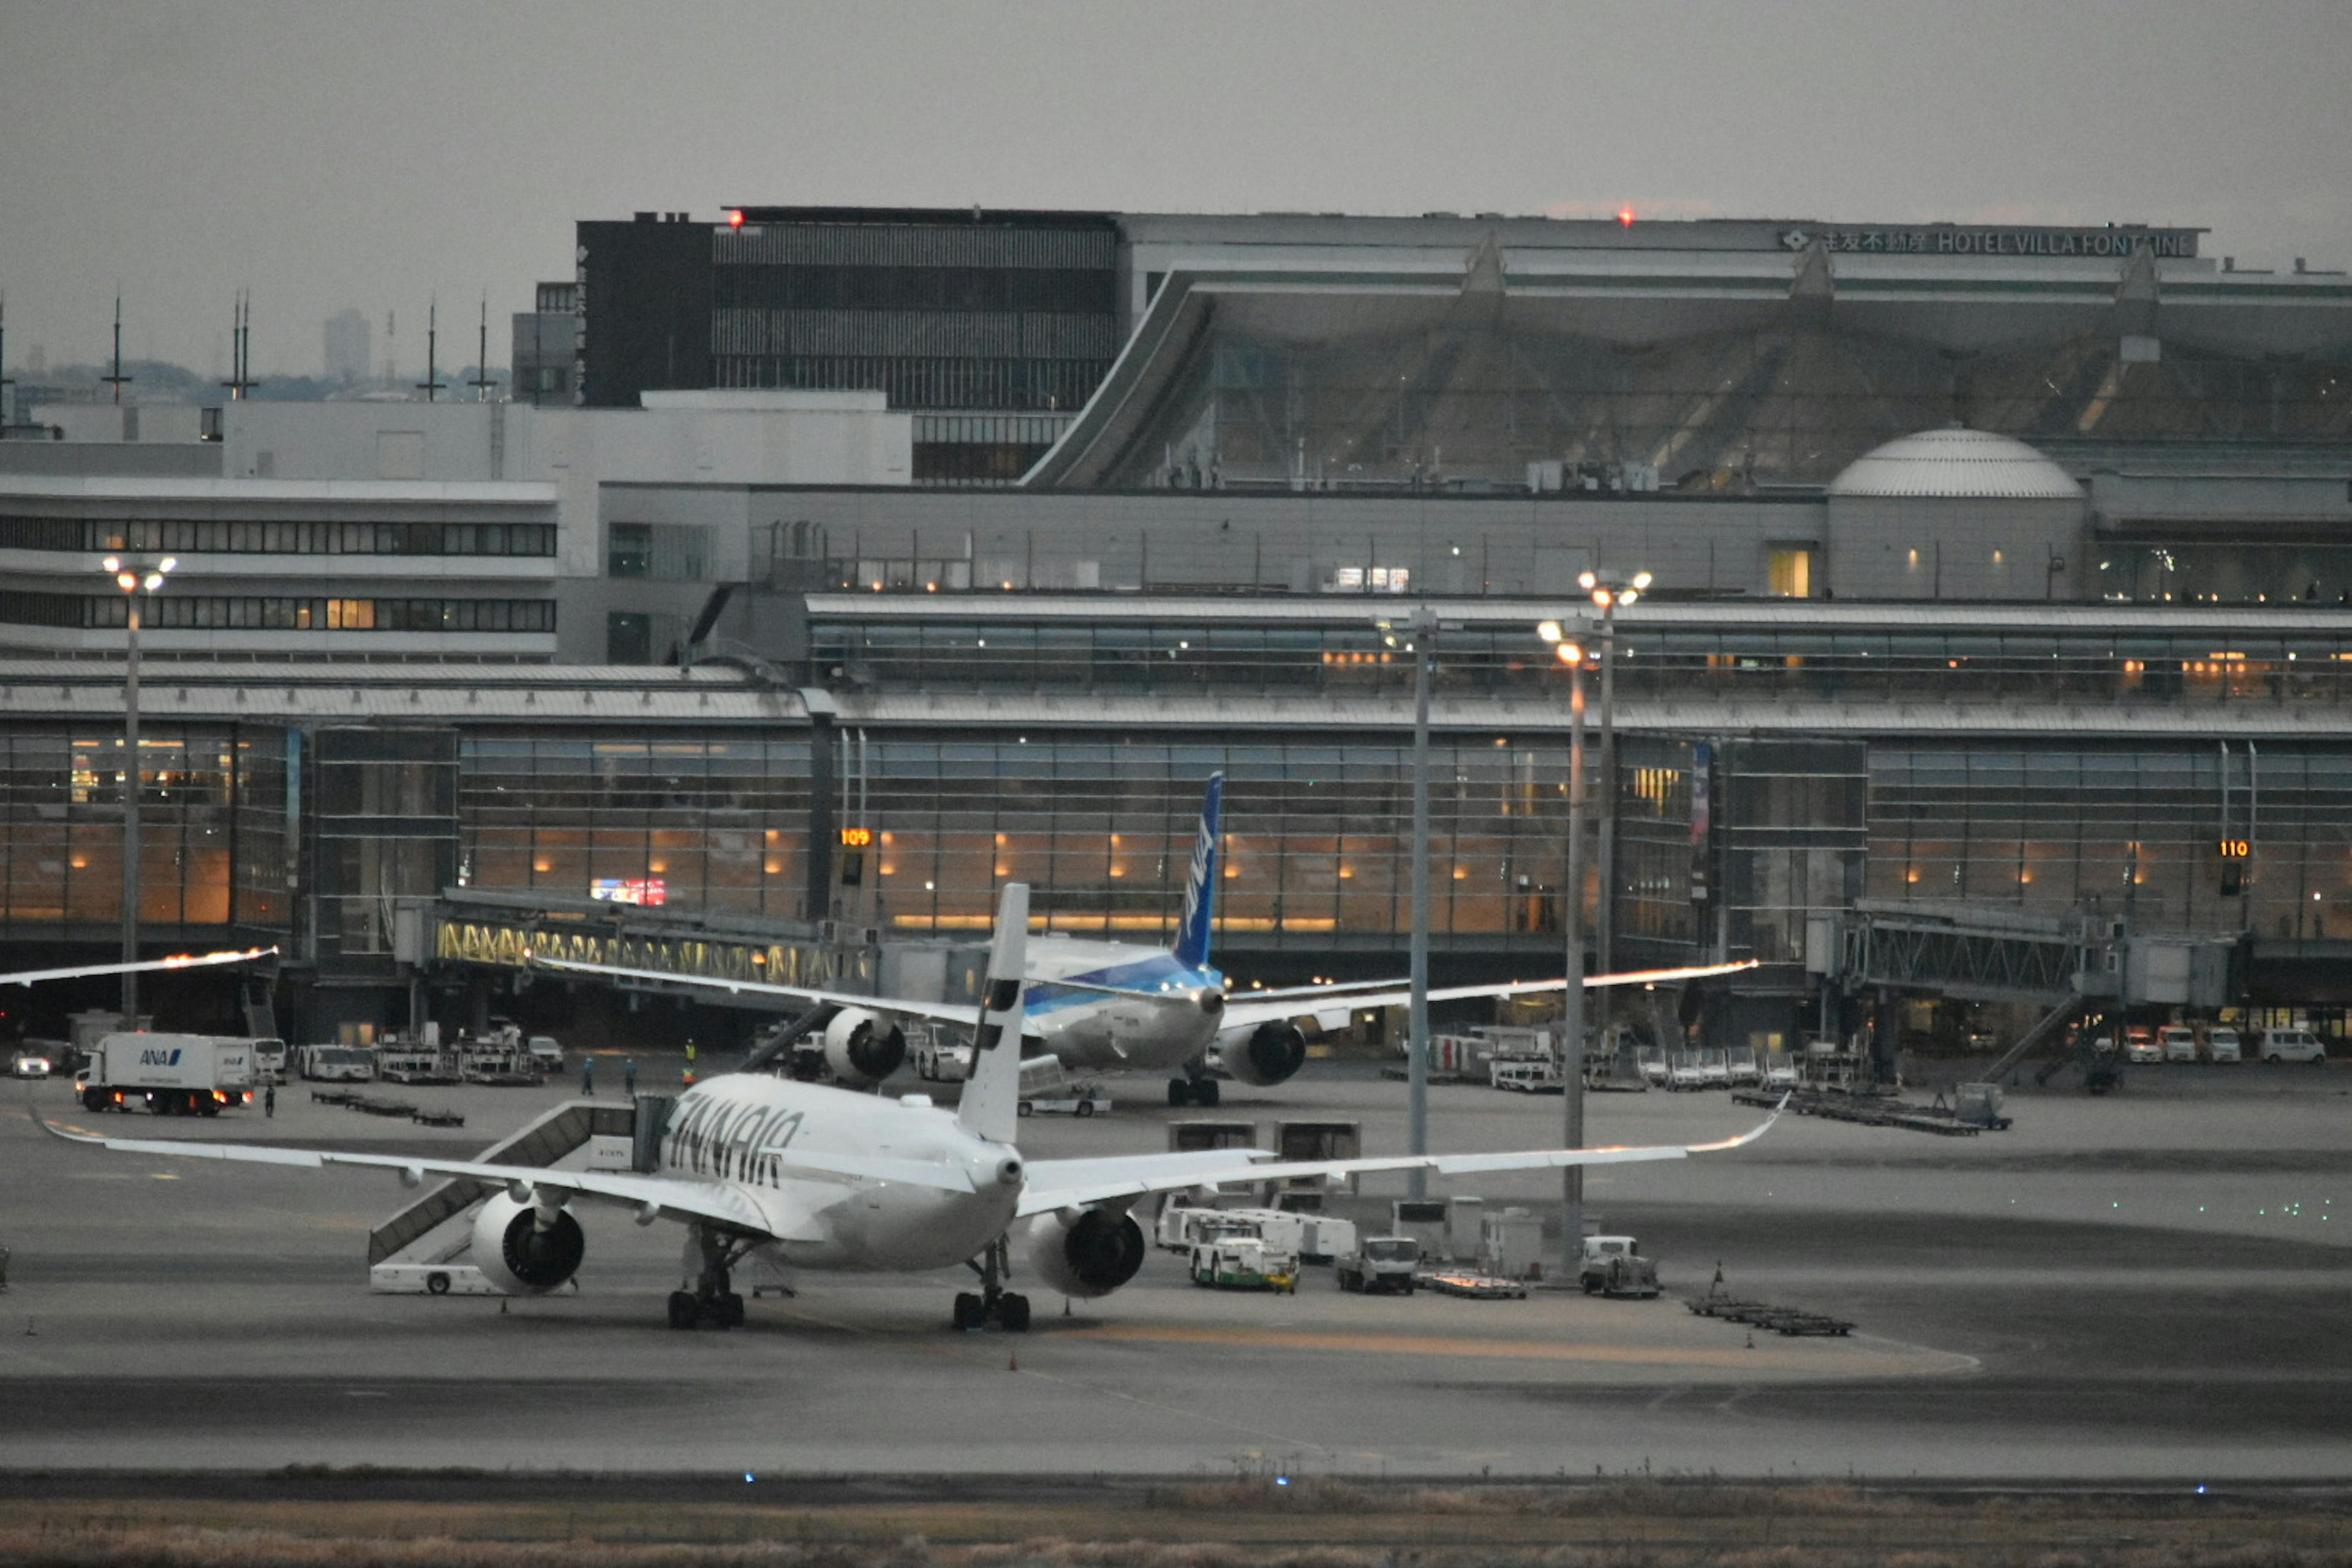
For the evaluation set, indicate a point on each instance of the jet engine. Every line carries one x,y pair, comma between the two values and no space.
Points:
521,1250
1268,1054
863,1047
1091,1255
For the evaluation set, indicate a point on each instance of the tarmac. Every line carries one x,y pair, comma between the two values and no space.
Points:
2148,1288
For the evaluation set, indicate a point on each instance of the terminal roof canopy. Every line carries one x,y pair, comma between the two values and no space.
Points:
1687,370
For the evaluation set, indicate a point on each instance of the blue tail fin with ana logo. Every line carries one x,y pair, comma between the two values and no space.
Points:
1200,882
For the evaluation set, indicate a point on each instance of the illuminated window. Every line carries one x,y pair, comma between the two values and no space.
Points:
1789,571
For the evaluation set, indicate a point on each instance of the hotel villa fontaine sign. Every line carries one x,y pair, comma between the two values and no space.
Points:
1954,239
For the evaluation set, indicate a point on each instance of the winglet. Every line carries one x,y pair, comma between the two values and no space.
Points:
991,1106
1749,1136
1200,882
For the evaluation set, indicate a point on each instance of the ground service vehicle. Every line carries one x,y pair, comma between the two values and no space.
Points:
2221,1045
170,1075
338,1064
1526,1076
1244,1263
2178,1041
29,1063
1613,1265
1379,1266
2291,1046
545,1053
269,1061
2139,1044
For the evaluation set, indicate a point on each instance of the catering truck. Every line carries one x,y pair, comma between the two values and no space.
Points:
170,1075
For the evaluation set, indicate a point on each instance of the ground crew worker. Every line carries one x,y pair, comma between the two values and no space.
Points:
269,1100
588,1076
629,1076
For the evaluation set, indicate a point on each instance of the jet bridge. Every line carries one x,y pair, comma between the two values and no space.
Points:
2069,965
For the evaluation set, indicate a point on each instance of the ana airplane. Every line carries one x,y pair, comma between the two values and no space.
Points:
825,1178
1100,1006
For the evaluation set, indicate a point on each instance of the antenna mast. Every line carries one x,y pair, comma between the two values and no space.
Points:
481,384
240,382
432,384
118,380
8,408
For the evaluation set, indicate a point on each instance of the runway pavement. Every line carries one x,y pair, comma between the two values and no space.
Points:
2152,1286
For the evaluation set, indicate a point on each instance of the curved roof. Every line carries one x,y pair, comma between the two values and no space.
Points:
1955,462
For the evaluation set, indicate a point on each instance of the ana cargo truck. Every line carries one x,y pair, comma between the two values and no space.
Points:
170,1075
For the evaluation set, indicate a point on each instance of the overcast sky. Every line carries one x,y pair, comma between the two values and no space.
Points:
326,154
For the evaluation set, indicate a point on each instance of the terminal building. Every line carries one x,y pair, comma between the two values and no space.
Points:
2003,584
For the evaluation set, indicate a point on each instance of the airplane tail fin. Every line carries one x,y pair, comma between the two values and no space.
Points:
992,1095
1200,882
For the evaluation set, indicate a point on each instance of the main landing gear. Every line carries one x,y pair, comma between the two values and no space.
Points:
1190,1090
1008,1309
710,1259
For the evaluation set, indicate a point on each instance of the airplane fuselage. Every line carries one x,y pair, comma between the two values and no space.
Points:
723,1131
1166,1013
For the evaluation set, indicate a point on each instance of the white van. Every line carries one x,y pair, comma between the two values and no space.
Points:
545,1053
2291,1046
2180,1043
2221,1043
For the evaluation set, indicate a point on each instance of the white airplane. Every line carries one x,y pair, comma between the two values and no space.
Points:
823,1178
145,966
1100,1006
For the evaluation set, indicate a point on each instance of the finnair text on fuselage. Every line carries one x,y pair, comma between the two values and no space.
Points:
742,1128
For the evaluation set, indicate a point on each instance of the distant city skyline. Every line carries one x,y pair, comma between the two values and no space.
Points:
381,158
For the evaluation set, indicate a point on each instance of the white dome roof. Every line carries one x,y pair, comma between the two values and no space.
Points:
1955,462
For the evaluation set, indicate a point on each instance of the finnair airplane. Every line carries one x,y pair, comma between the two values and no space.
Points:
823,1178
1106,1005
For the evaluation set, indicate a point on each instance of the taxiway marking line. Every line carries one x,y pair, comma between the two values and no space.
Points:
1432,1345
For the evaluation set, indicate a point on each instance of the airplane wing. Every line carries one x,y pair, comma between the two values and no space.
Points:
179,961
964,1013
1247,1009
1073,1184
651,1196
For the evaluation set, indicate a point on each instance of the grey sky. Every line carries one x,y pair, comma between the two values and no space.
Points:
326,154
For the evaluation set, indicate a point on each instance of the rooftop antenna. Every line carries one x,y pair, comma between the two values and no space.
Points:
240,382
118,380
481,384
432,384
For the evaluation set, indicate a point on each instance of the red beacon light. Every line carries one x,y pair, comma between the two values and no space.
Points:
1625,217
735,217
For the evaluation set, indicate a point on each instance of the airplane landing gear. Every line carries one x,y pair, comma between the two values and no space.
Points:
710,1259
1201,1091
1008,1308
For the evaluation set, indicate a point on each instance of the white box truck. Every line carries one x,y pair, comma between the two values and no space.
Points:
170,1075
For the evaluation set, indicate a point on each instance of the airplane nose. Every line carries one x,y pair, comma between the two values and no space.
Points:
1213,1002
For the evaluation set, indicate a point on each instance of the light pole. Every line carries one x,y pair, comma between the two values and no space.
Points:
1421,628
134,579
1568,640
1608,591
1571,640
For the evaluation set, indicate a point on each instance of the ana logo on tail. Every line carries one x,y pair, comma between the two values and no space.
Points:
1201,883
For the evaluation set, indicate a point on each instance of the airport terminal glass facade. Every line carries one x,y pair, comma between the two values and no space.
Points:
720,822
2153,832
212,842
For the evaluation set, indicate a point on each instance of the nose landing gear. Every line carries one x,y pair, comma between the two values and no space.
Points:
1007,1308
